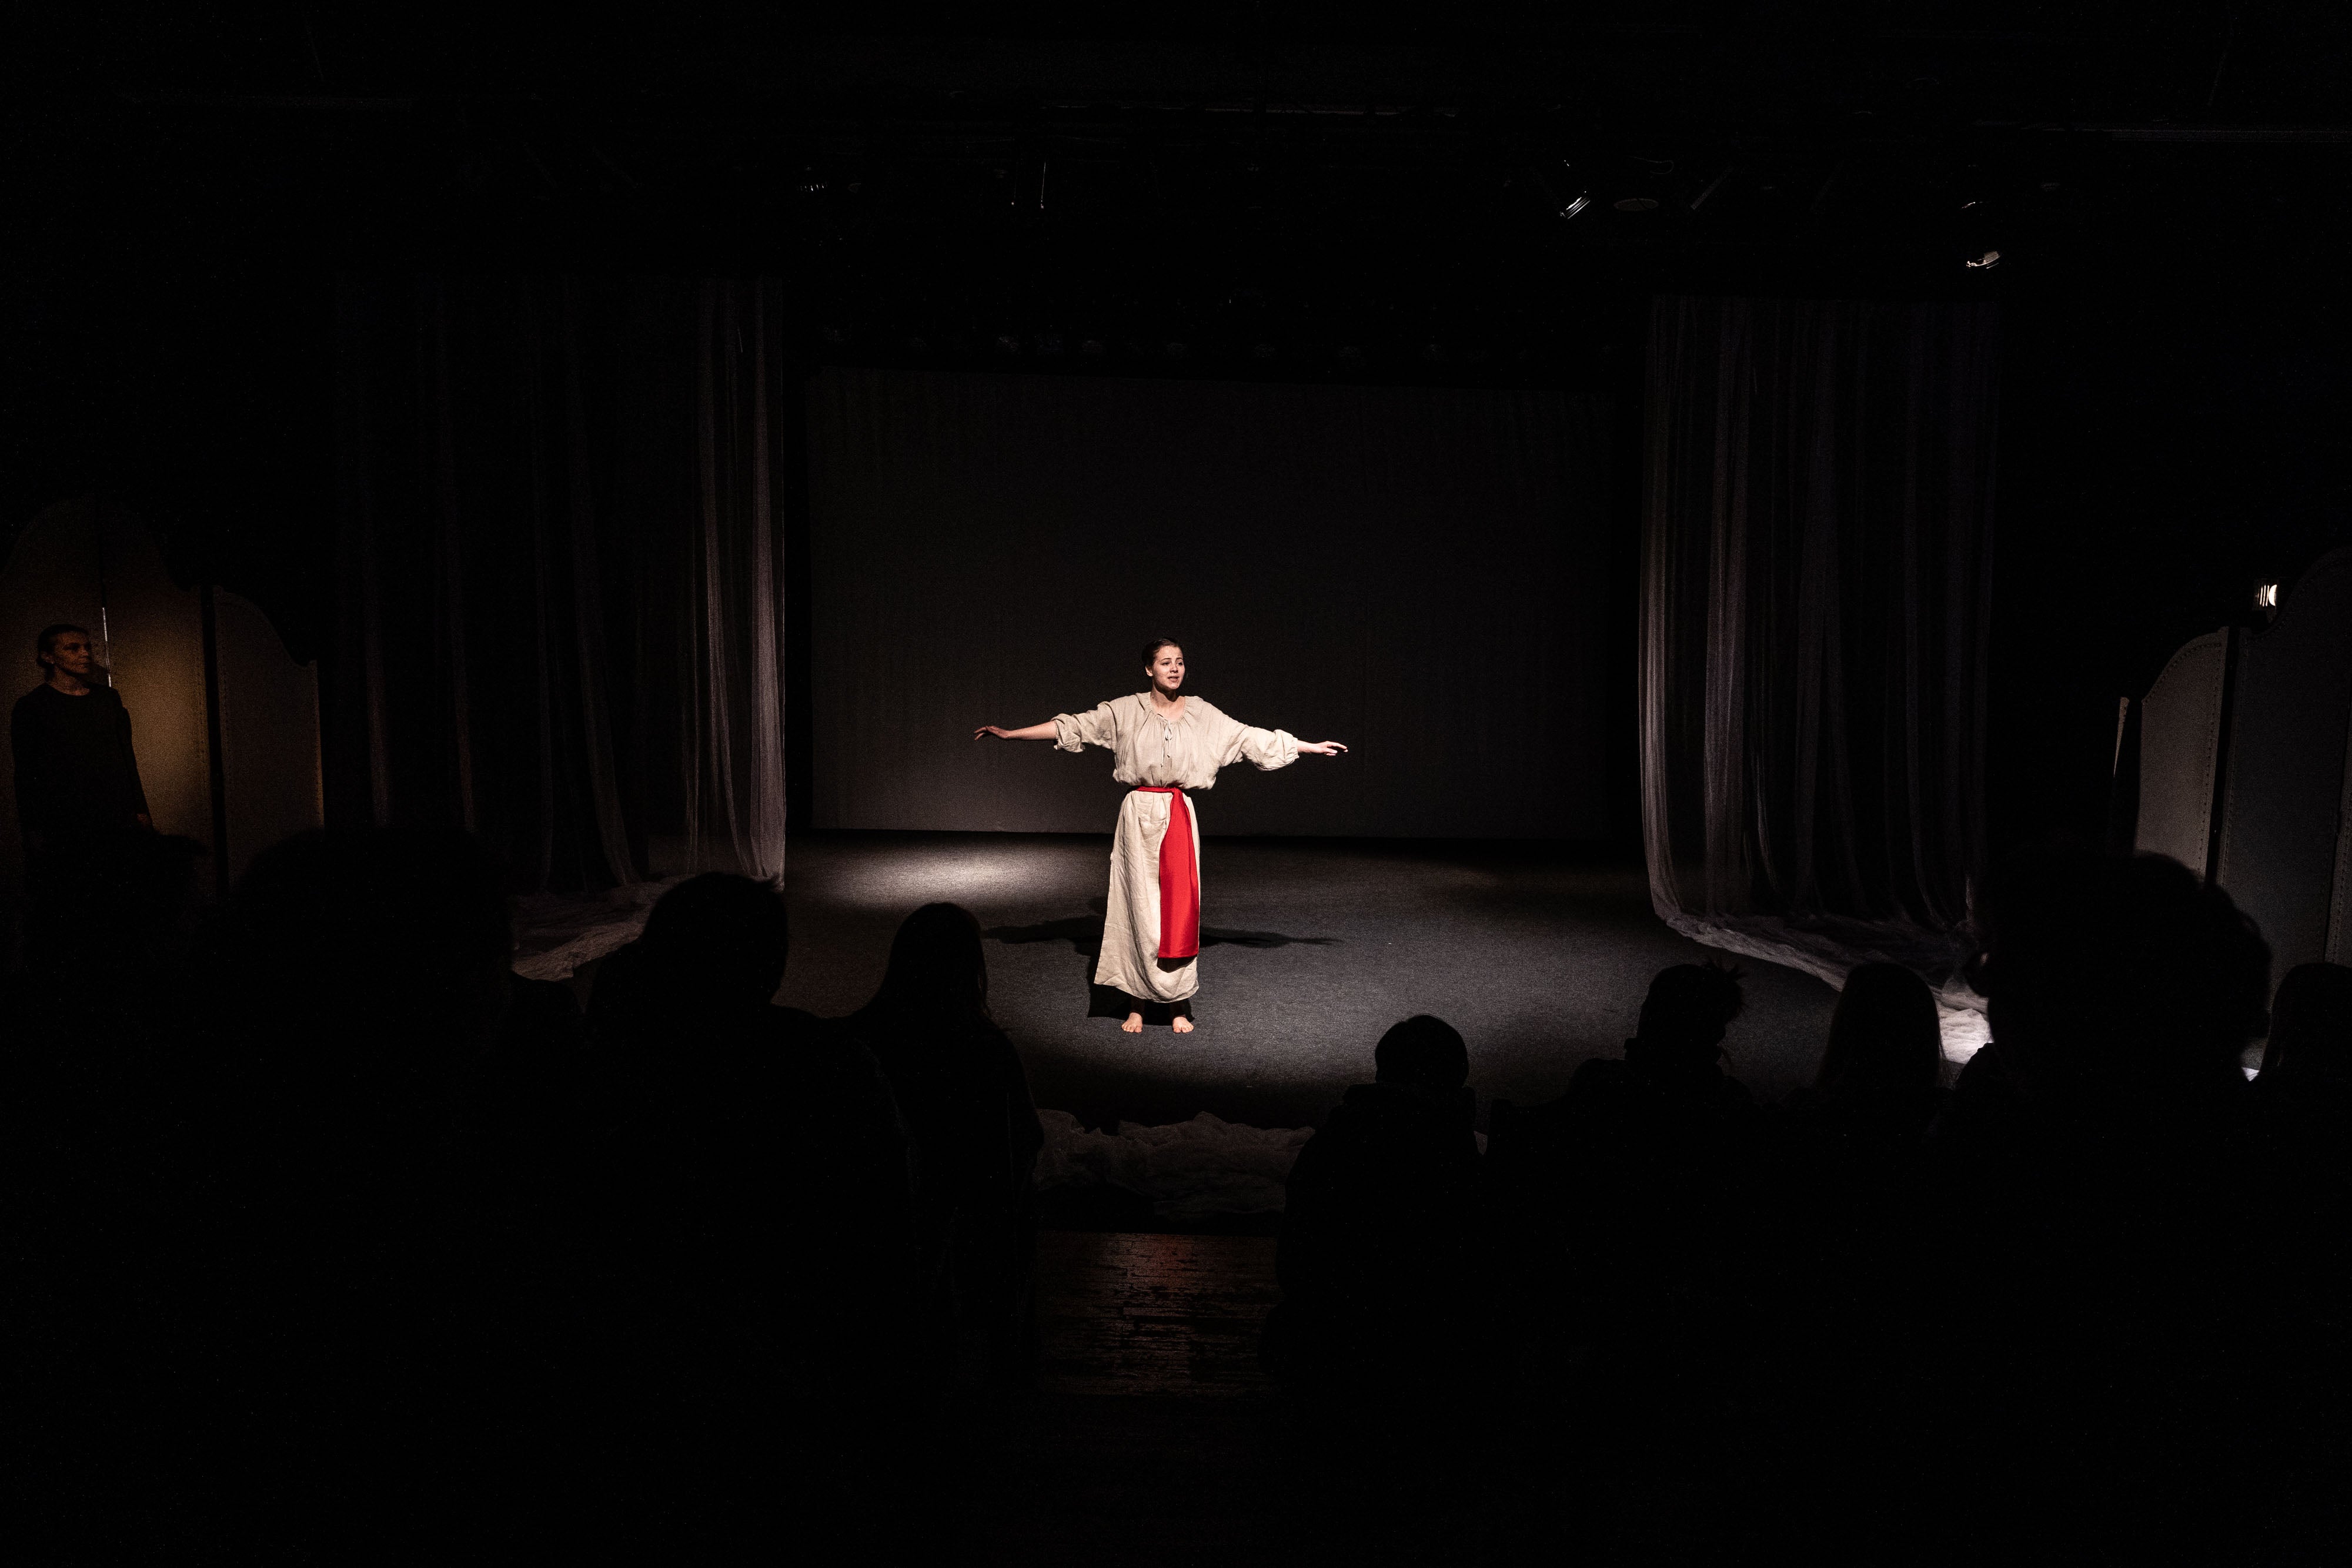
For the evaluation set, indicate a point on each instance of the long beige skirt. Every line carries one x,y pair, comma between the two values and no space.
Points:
1131,948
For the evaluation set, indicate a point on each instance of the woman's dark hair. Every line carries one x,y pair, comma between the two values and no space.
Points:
1885,1036
1151,649
1422,1052
46,643
720,933
2123,967
936,966
1688,1009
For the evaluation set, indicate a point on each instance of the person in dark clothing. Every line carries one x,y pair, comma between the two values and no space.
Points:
2303,1097
2102,1198
965,1096
1885,1054
77,775
1619,1204
760,1187
94,1028
2310,1042
346,1337
1844,1347
540,1082
1379,1226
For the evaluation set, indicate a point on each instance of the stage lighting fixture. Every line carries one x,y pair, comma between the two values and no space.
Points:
1008,343
1636,205
1261,350
1179,351
2266,597
1985,262
1575,206
1094,348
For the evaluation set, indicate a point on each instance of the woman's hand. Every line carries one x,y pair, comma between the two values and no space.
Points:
997,730
1321,747
1032,732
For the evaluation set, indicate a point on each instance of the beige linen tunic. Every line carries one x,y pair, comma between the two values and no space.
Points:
1149,749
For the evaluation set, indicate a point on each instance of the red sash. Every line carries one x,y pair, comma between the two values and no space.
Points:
1179,878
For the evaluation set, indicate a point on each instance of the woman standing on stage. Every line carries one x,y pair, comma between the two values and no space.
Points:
1166,742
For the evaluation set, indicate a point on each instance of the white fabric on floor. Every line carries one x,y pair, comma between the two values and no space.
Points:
1189,1170
557,934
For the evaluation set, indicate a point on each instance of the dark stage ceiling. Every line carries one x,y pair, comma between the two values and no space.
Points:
1421,192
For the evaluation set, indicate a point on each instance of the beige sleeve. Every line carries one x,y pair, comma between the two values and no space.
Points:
1265,749
1076,731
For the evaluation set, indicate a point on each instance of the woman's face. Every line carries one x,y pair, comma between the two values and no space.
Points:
1167,671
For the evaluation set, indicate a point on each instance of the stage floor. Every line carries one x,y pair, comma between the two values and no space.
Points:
1311,947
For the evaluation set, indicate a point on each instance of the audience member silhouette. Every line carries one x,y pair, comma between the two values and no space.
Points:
1379,1226
541,1084
759,1183
2304,1096
109,980
1622,1206
965,1097
94,1030
338,1236
1881,1063
2102,1200
2310,1045
355,1309
1844,1351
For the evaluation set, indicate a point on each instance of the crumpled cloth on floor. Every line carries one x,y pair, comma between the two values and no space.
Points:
1189,1170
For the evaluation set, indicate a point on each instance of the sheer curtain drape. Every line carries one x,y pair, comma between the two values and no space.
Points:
1815,587
560,572
733,628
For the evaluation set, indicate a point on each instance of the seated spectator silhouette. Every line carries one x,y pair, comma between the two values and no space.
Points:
355,1309
2102,1200
1620,1207
965,1097
542,1083
2309,1052
1843,1348
1881,1063
94,1035
1378,1225
109,975
2304,1096
760,1188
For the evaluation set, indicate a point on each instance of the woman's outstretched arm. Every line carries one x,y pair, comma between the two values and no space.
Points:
1033,732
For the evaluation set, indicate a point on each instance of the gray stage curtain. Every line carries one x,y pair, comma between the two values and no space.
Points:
560,605
732,639
1422,573
1816,577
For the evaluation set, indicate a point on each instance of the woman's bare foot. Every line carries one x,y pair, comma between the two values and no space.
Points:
1180,1024
1134,1024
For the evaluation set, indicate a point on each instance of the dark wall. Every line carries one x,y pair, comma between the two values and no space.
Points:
199,398
1422,573
2164,450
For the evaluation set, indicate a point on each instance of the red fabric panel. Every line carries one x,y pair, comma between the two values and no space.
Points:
1179,879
